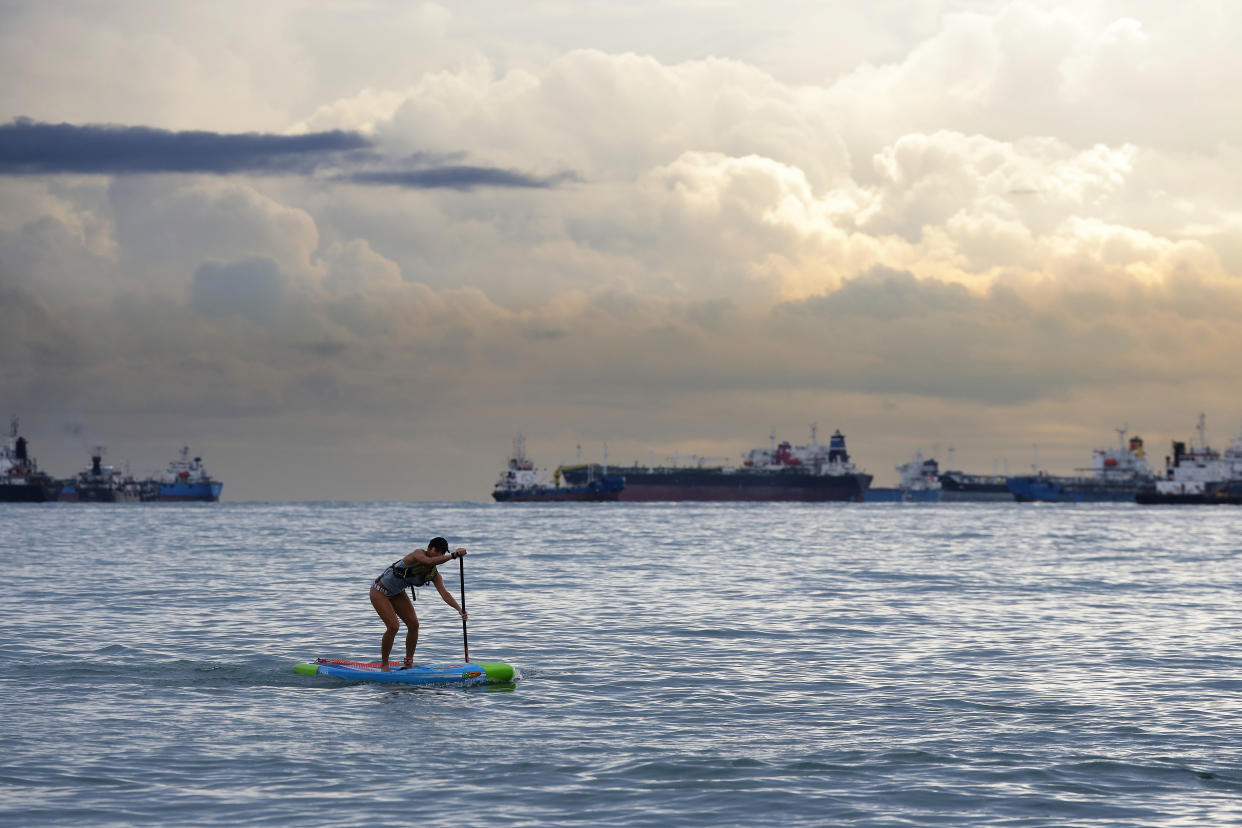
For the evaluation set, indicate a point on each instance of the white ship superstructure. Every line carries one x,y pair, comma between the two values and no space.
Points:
521,482
1192,471
813,457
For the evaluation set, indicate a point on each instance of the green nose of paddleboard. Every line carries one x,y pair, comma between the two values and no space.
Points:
497,671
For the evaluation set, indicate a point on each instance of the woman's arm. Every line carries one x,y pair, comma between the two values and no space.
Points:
447,596
430,559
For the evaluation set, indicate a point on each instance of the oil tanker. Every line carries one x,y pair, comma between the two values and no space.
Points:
811,473
20,478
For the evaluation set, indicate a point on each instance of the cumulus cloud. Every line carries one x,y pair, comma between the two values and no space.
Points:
251,288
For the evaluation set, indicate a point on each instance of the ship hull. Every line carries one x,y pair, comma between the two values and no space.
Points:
715,485
887,495
105,494
1215,495
554,496
1070,490
972,496
970,488
26,493
190,492
596,491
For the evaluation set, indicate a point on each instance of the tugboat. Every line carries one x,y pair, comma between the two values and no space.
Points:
920,483
1115,475
186,479
521,483
20,478
1197,475
98,483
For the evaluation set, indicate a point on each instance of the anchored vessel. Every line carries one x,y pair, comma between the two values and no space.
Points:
187,479
1115,475
960,486
20,478
520,482
810,473
1197,475
98,483
920,483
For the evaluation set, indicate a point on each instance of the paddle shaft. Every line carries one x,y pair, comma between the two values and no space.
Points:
465,641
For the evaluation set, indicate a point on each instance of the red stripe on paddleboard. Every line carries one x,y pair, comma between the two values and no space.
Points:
375,665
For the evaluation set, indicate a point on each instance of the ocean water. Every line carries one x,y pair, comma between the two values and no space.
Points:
681,665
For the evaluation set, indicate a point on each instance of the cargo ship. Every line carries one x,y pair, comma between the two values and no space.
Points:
1197,476
919,483
811,473
20,478
187,479
1115,475
958,486
520,482
98,483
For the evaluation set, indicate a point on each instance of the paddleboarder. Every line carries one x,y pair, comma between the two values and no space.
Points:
393,605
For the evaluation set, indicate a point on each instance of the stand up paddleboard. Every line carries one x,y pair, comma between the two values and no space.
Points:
461,674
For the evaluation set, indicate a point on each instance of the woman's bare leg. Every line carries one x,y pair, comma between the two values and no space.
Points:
384,606
404,607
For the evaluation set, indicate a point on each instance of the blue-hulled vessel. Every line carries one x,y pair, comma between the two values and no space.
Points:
188,480
1115,475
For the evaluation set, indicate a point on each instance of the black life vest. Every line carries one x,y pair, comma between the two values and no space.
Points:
415,574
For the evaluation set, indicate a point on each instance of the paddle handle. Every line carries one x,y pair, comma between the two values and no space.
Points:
465,641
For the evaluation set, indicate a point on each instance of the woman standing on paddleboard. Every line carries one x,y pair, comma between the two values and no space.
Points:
390,601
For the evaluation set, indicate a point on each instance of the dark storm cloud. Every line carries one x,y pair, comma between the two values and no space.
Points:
31,148
457,177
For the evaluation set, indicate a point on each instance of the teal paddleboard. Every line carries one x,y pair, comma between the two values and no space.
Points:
460,673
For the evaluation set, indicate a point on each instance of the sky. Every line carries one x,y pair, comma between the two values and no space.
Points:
347,250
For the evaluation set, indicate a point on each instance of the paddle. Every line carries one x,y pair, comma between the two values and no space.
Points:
465,642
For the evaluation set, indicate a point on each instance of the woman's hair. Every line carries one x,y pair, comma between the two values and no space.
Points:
437,543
